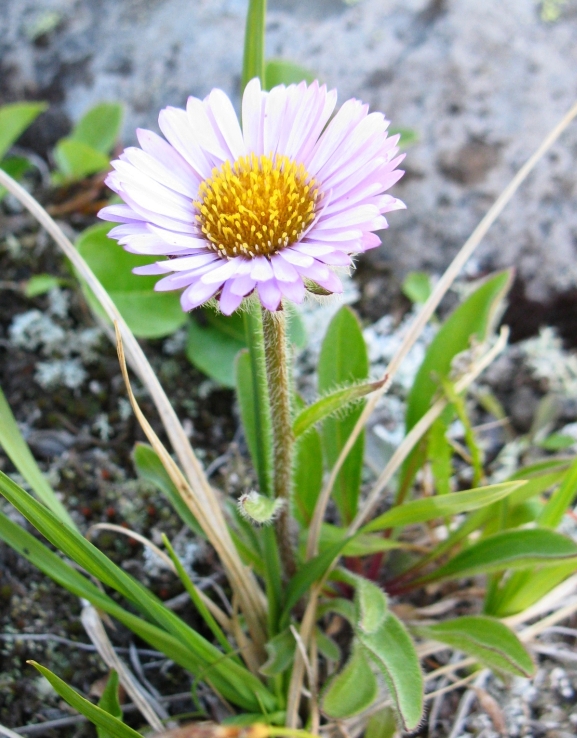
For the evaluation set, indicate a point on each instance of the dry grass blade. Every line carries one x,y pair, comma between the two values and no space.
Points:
8,733
241,579
252,606
145,702
136,537
427,311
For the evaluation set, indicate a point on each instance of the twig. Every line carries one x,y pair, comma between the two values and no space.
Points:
427,311
466,703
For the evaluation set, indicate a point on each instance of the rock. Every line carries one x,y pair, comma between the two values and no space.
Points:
480,83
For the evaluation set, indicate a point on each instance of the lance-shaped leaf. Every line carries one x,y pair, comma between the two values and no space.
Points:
393,651
284,72
353,689
99,128
150,468
307,476
110,725
281,653
331,404
515,549
429,508
110,703
487,639
343,359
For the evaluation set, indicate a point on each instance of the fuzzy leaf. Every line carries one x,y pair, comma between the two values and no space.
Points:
331,404
487,639
307,477
429,508
353,689
393,651
370,605
343,359
281,652
515,549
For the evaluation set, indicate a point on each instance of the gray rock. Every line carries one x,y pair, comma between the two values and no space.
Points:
481,84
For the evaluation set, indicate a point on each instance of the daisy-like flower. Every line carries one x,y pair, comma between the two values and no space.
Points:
272,207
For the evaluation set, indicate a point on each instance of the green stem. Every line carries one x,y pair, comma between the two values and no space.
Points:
254,37
277,371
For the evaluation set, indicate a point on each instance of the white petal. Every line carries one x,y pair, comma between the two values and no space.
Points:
293,257
158,171
261,269
222,272
273,118
253,105
203,130
227,122
175,126
283,270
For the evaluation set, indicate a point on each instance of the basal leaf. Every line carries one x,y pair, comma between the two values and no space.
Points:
109,703
429,508
150,468
353,689
510,549
524,588
17,450
284,72
99,128
370,605
343,359
487,639
417,287
149,314
110,725
471,320
213,352
39,284
307,476
76,160
393,651
382,724
560,500
15,119
361,544
281,652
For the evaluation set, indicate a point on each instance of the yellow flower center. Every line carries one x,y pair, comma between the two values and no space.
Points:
256,206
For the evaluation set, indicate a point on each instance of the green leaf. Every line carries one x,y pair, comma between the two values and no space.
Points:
99,128
331,404
149,467
306,576
327,646
409,136
560,501
557,442
283,72
149,314
254,38
382,724
429,508
361,544
307,476
343,359
471,320
17,450
76,160
524,588
15,167
440,454
39,284
109,703
487,639
281,652
370,605
394,653
417,287
15,119
510,549
213,352
109,724
353,689
235,682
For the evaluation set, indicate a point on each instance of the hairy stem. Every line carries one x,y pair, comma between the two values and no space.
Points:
277,373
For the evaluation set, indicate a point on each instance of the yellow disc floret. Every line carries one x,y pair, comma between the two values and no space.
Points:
256,206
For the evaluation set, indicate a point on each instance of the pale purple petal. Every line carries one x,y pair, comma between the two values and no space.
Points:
261,269
162,151
175,126
229,301
242,285
253,104
149,269
150,166
225,122
294,291
119,214
221,272
202,128
197,294
294,257
270,294
184,263
273,119
283,270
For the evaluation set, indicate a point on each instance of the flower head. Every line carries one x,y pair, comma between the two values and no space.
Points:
271,208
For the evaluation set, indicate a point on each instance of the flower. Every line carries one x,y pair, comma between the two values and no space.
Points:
272,207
